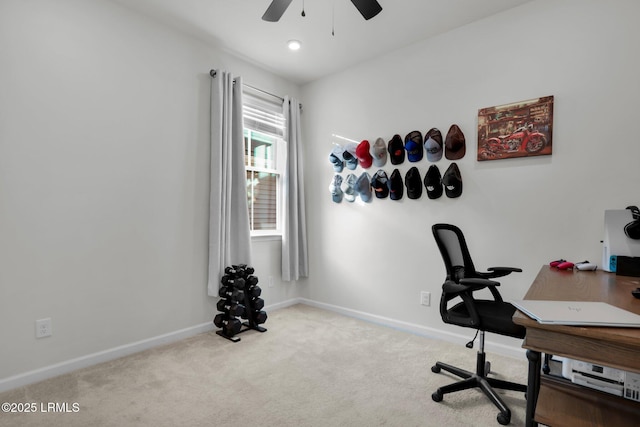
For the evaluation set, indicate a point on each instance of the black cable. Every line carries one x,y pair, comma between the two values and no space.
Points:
470,343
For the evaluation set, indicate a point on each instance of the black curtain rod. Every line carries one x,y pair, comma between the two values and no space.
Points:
214,72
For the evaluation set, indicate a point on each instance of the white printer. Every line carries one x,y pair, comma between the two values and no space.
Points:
603,378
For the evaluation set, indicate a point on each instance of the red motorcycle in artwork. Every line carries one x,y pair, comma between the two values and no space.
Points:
521,142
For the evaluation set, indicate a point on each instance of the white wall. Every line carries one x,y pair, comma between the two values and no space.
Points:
376,258
104,154
104,157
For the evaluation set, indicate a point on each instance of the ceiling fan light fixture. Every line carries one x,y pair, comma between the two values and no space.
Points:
294,45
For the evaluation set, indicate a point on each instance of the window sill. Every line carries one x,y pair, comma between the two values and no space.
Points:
265,237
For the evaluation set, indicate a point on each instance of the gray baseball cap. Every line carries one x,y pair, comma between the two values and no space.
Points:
433,145
335,157
363,187
379,153
349,187
335,190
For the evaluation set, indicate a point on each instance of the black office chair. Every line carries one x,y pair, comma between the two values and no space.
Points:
484,315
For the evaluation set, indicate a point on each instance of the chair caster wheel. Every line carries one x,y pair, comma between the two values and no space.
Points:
435,369
437,396
504,419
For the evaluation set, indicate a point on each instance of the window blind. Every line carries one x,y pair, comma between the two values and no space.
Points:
263,116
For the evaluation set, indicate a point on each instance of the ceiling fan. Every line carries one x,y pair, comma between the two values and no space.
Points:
368,9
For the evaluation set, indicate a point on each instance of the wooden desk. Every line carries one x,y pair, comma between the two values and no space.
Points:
556,402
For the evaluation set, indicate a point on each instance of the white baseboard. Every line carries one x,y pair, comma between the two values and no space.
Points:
71,365
99,357
127,349
283,304
498,348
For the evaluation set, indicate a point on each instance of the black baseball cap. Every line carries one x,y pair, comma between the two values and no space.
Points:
433,182
379,184
396,150
396,188
452,181
413,182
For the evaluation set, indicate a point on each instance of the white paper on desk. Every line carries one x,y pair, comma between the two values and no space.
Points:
578,313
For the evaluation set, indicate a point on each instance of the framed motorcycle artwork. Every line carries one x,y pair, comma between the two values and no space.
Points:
519,129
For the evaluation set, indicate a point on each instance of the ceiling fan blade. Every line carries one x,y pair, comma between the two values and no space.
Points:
275,10
368,8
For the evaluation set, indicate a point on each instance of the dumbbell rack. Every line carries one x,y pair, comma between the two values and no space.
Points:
239,297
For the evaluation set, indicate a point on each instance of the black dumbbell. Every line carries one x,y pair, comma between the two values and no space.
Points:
260,317
239,269
252,280
231,293
230,270
219,320
230,307
233,282
255,291
256,303
232,327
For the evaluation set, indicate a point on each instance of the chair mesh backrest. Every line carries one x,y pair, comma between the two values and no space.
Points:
454,251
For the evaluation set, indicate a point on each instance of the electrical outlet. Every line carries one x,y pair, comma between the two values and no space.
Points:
425,298
271,281
43,328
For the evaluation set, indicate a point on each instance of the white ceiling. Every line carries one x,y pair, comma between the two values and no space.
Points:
236,27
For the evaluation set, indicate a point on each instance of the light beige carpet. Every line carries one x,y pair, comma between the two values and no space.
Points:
311,368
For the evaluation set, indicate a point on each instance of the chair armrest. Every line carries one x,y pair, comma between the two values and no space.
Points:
478,283
502,271
469,284
451,287
475,284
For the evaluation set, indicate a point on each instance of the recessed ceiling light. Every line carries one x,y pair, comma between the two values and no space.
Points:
294,44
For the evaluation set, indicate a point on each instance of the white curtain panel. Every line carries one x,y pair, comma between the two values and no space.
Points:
295,262
229,234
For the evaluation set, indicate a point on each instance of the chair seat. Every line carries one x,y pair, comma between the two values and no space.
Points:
494,317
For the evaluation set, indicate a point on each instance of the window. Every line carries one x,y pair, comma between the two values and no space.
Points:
264,163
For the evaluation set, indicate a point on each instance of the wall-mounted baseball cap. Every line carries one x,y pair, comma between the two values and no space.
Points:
413,182
396,150
363,187
336,159
452,181
433,145
349,155
349,187
396,187
335,190
433,182
454,144
363,154
379,184
379,153
413,146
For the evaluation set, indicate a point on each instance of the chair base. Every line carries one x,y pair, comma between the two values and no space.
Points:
480,380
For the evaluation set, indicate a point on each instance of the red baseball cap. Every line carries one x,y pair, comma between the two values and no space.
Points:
363,154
